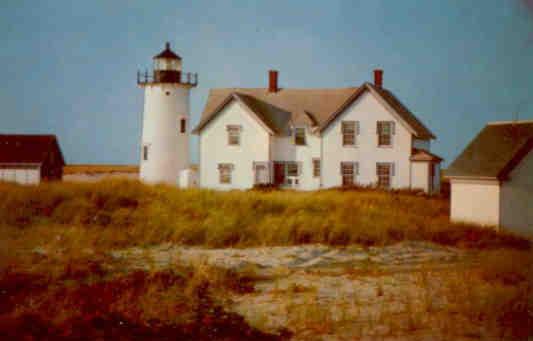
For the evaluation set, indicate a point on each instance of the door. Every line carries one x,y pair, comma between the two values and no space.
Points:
279,173
261,173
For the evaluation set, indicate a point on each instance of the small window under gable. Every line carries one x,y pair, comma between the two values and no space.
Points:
385,130
183,125
299,136
234,135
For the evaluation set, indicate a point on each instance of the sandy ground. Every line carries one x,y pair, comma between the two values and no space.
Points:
407,291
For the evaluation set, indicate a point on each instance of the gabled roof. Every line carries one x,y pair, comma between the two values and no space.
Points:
28,148
315,107
424,155
495,151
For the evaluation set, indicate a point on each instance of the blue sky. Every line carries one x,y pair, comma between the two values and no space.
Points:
69,67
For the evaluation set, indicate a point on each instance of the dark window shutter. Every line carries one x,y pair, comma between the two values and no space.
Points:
357,128
393,128
392,169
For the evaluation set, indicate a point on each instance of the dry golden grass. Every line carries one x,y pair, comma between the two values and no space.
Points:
119,213
95,169
77,224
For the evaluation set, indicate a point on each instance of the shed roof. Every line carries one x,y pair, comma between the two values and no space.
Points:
28,148
315,107
424,155
495,151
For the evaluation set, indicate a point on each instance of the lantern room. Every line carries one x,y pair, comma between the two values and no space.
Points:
167,69
167,60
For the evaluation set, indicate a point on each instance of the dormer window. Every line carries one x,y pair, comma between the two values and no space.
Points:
299,136
385,130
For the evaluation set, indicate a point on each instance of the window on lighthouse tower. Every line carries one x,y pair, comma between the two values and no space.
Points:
183,125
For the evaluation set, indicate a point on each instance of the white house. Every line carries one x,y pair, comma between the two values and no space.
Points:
313,138
492,179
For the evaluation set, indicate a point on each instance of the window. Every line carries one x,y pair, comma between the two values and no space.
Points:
224,172
385,130
384,172
287,172
234,135
348,172
299,136
292,169
183,125
316,168
262,172
145,153
348,132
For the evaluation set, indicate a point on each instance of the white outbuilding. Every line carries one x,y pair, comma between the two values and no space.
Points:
492,179
28,159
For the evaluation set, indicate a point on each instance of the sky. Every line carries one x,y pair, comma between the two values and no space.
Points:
69,67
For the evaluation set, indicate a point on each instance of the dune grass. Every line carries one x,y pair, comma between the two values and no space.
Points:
119,213
72,289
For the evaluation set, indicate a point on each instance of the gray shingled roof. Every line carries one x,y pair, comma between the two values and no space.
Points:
495,151
316,107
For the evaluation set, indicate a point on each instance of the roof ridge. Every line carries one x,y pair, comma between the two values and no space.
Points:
281,89
509,122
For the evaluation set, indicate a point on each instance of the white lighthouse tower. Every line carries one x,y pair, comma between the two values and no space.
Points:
165,129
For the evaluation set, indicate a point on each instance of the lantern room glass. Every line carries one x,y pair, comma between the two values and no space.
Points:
167,64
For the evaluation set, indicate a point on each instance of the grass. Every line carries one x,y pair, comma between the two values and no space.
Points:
57,280
91,303
96,169
112,214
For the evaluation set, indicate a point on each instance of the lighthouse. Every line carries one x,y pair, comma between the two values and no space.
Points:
165,123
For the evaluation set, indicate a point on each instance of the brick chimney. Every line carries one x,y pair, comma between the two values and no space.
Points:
273,81
378,78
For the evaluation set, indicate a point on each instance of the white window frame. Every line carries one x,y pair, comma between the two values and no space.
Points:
234,134
349,129
385,129
381,175
225,171
346,165
303,137
317,167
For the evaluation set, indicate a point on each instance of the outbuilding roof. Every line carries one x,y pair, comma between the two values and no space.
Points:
28,148
424,155
495,151
315,107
